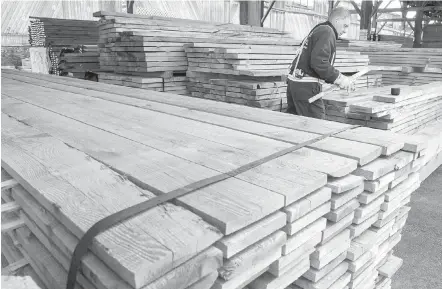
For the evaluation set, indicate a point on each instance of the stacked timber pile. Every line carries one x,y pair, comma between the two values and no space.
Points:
403,40
298,202
153,47
78,63
173,84
432,36
17,282
410,78
377,108
59,34
242,74
356,45
350,61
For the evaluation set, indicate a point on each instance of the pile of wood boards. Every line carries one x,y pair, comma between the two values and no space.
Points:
242,74
403,57
78,63
177,84
324,215
58,34
147,46
350,61
410,78
377,108
371,79
432,36
364,44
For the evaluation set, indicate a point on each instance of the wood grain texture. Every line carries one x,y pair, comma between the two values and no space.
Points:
302,207
338,200
249,257
383,166
296,226
238,241
309,232
339,185
32,157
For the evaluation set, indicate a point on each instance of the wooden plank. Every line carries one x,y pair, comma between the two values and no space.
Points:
17,154
339,185
239,112
12,225
382,166
304,235
8,184
303,222
302,207
325,282
268,281
315,275
10,207
339,214
238,241
12,268
338,200
240,263
334,228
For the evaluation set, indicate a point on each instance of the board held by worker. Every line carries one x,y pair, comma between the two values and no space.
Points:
312,69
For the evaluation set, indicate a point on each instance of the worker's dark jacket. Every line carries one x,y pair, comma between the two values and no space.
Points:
318,55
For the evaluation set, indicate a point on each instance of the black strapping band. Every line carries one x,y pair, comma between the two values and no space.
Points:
111,220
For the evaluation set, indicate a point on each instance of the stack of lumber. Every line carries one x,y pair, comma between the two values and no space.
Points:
350,61
57,34
175,84
410,78
138,43
297,204
78,63
432,36
372,79
377,108
148,46
403,40
365,44
396,56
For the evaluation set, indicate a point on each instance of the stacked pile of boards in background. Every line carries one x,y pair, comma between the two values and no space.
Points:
410,78
58,34
78,63
350,61
405,57
153,47
243,74
432,36
405,41
326,215
377,108
360,45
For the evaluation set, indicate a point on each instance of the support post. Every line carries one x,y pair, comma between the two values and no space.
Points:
418,29
130,7
366,10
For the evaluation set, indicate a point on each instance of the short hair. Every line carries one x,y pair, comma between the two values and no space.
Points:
339,12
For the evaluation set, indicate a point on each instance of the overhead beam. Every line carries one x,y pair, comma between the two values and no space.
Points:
358,11
389,10
268,12
336,4
375,8
382,27
404,19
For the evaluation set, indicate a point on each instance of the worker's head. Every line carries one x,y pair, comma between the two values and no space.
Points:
340,18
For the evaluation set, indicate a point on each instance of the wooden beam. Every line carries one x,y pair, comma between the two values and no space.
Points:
356,8
375,8
390,10
380,29
11,268
12,225
403,19
130,7
336,4
268,12
9,207
8,184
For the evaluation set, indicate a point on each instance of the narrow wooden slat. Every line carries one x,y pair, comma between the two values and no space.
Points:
10,207
12,225
9,184
11,268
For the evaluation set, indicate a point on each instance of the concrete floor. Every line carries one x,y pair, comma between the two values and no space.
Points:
421,243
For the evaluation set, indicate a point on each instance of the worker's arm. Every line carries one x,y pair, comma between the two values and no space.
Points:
322,41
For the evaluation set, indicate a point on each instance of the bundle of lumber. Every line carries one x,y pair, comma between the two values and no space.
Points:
78,63
371,79
61,32
242,74
360,44
350,61
432,36
138,43
279,201
405,57
58,34
403,40
177,84
262,92
410,78
378,108
17,282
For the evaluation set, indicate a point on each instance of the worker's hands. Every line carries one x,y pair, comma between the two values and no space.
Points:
344,82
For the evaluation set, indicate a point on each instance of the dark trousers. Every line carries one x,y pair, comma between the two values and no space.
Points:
298,94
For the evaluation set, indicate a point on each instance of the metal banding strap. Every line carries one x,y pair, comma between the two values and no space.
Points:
112,220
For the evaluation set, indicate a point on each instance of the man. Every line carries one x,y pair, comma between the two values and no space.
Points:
314,66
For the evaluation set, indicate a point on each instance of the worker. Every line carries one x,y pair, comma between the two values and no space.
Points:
313,66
